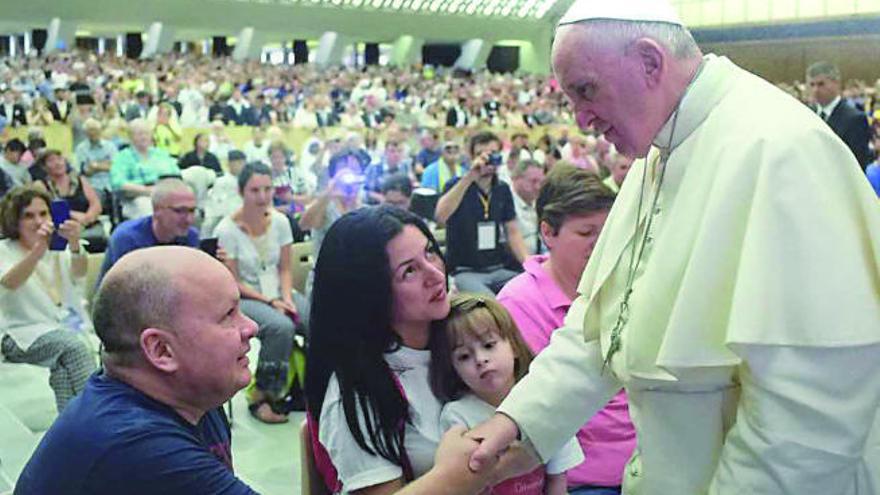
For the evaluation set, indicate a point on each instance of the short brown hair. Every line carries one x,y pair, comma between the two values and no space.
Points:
473,314
569,190
12,206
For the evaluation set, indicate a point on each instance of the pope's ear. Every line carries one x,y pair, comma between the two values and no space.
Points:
651,59
157,346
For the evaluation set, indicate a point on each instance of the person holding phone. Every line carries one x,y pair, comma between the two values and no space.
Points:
85,205
257,240
40,304
481,228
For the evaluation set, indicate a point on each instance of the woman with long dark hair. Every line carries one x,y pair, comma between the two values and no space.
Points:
380,286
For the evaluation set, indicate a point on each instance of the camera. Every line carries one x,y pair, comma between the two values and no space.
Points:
495,159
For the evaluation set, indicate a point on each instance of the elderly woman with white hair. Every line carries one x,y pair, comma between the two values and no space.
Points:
137,168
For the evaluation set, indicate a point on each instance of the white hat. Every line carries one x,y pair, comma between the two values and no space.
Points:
623,10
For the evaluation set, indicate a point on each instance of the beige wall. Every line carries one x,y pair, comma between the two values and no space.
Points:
786,61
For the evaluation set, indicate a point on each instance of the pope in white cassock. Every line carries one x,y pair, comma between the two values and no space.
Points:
735,289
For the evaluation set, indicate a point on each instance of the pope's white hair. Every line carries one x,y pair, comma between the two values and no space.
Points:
676,39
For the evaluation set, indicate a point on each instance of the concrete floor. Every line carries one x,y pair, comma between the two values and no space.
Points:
266,457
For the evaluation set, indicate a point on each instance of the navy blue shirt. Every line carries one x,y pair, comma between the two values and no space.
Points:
136,234
113,439
461,228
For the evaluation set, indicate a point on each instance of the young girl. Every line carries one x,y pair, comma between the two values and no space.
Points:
475,361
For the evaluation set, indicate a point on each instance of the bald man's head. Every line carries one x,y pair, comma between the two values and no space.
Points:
143,290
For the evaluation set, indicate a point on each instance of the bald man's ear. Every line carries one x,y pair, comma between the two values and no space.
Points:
157,349
652,59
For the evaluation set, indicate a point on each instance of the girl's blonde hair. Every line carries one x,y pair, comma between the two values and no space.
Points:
475,315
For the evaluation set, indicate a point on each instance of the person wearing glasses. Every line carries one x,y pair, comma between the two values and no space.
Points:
174,208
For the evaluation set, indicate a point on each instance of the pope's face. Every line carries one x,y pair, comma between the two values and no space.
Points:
608,89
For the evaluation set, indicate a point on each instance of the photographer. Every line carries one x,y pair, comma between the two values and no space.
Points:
481,228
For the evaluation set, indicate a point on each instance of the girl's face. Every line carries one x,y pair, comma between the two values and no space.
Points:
485,363
418,280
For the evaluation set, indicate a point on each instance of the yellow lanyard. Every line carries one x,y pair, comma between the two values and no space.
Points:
485,200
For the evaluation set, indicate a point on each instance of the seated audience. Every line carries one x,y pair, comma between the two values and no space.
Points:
397,191
571,207
477,209
167,133
292,188
10,162
94,155
428,153
257,149
526,179
448,167
200,156
84,203
257,242
41,311
223,198
393,162
39,113
174,210
136,169
341,195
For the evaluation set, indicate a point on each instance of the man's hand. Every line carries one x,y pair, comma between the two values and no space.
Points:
495,436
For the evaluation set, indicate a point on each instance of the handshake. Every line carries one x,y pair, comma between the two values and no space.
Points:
471,461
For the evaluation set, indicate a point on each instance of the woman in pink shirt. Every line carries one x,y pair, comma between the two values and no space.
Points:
572,207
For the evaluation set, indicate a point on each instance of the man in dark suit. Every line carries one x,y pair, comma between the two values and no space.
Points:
62,105
845,120
457,116
12,109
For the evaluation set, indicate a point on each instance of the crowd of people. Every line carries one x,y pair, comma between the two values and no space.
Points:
435,334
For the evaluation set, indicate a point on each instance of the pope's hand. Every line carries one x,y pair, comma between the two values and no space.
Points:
495,436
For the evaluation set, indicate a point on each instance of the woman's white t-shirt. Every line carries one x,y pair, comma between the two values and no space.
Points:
358,469
257,258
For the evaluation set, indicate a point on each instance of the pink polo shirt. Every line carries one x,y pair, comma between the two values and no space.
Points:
538,306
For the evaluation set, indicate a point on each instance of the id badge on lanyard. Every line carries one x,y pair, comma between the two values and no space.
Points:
486,236
486,230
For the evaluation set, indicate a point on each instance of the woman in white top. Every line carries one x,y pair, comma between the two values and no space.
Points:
39,305
257,241
380,284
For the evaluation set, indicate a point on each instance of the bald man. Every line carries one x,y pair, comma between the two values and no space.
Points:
173,353
175,347
174,209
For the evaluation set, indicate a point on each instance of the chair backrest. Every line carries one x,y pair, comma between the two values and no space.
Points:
301,264
311,481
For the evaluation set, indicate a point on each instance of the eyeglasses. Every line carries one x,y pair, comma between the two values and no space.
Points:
182,210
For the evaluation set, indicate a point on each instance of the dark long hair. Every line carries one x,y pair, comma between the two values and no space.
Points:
350,327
